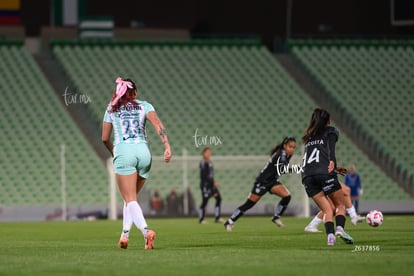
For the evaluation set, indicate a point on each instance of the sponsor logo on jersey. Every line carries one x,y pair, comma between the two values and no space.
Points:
129,107
328,187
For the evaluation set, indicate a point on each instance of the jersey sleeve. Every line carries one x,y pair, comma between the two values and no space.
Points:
333,131
283,158
107,117
147,107
332,137
331,147
359,182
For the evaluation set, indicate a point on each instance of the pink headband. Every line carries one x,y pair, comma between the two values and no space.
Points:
121,88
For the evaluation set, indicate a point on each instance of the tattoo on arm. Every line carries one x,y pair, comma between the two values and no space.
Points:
162,132
163,135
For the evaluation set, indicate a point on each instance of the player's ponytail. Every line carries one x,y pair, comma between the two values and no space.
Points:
319,120
286,140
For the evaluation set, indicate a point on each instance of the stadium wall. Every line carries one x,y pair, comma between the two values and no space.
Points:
267,19
88,212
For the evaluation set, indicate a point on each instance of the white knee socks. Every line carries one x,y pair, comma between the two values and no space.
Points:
351,212
135,212
127,222
315,221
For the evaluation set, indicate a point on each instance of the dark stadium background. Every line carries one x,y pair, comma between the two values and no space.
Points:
267,19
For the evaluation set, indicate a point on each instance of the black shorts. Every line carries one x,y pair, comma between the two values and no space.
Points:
209,192
326,183
260,189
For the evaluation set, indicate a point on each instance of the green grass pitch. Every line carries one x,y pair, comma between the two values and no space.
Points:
183,247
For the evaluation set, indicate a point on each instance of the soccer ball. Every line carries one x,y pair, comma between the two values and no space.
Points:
374,218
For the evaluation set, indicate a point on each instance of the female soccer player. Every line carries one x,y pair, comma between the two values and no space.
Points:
127,116
319,177
209,187
350,209
267,181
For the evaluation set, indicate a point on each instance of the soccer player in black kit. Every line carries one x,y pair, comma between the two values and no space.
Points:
208,186
319,177
267,181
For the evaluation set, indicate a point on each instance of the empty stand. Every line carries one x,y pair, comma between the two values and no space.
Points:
373,81
237,93
34,124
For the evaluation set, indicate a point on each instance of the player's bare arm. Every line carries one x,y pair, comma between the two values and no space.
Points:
106,137
160,129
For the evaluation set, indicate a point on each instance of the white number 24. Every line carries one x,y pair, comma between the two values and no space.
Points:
314,157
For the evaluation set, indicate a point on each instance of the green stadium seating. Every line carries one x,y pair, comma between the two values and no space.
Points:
238,93
374,82
34,125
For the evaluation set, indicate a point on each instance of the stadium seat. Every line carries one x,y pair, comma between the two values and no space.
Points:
374,83
238,93
35,124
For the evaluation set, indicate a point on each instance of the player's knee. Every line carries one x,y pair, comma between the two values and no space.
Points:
340,204
328,215
346,190
285,200
203,204
247,205
340,210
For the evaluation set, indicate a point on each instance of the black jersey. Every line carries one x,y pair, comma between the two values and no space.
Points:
206,174
276,166
319,151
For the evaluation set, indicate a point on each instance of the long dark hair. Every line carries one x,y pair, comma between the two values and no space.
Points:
320,118
286,140
128,97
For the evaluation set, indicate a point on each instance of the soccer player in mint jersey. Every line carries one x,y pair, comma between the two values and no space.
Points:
126,116
268,181
319,177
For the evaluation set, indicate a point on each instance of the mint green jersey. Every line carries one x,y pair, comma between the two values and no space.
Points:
128,122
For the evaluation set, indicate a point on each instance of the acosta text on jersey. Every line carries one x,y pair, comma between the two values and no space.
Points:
314,142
